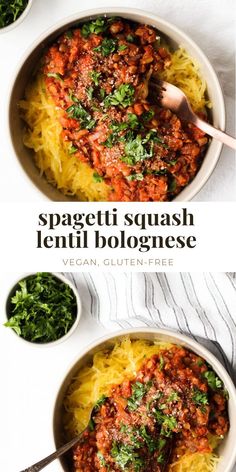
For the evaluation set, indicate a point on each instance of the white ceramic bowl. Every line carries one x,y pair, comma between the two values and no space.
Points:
227,450
175,37
8,28
73,327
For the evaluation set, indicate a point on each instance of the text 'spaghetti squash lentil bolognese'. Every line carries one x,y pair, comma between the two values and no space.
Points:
97,131
158,408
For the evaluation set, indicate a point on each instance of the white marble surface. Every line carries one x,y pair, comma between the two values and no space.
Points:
209,22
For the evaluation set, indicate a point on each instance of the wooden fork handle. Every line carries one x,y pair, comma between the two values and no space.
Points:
215,133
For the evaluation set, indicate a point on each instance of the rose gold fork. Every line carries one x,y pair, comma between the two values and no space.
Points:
173,98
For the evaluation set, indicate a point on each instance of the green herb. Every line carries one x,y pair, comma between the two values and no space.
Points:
122,47
138,391
100,401
96,26
149,440
102,93
77,112
199,398
125,455
173,397
124,428
123,96
97,178
101,459
135,150
43,308
158,172
161,458
133,121
139,148
106,47
11,10
172,185
172,162
130,38
168,423
148,115
161,363
213,381
95,76
133,177
116,128
73,149
69,34
55,75
89,92
91,425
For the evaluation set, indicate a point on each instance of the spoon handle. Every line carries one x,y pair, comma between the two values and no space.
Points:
47,460
215,133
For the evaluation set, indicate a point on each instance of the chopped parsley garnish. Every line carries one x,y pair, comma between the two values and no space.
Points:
11,10
130,38
133,177
106,47
43,308
138,391
78,112
55,75
149,440
161,363
73,149
97,178
89,92
172,185
69,34
173,397
199,398
95,76
116,127
122,47
148,115
133,121
136,151
139,148
100,401
168,423
96,27
161,458
101,459
213,381
126,455
123,96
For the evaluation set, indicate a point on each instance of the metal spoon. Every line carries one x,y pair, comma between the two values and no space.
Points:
173,98
66,447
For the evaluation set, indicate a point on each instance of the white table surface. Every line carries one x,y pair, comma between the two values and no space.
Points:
209,22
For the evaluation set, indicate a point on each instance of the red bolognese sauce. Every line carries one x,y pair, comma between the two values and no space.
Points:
172,407
99,75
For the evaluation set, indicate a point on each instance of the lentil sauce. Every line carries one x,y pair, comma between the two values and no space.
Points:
98,74
172,407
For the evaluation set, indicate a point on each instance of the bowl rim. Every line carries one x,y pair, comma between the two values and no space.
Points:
183,339
62,278
215,147
19,20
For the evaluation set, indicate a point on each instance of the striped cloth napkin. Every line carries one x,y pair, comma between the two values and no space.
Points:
201,305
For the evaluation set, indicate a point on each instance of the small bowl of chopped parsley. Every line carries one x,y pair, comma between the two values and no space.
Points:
43,308
12,13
